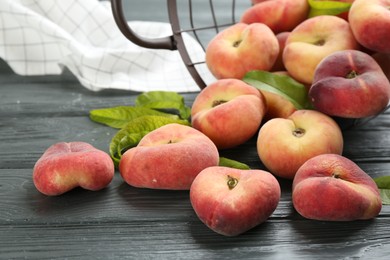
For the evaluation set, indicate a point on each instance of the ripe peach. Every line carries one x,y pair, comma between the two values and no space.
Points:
331,187
169,157
279,15
231,201
65,166
313,40
283,145
350,84
229,112
370,24
241,48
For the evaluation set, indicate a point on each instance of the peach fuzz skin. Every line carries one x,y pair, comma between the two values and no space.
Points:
370,23
278,15
277,106
169,157
241,48
350,84
278,65
65,166
232,211
331,187
229,112
283,145
313,40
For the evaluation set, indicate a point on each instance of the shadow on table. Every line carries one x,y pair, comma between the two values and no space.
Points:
330,231
74,202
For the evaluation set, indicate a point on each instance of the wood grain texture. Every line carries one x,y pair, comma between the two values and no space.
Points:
126,222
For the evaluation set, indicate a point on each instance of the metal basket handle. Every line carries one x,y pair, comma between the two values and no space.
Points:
157,43
173,42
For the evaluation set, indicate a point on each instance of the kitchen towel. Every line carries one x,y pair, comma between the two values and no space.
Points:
40,37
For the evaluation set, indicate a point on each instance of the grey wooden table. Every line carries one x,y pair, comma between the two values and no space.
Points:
123,222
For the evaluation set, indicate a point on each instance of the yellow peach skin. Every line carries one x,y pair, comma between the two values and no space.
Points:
313,40
283,145
277,106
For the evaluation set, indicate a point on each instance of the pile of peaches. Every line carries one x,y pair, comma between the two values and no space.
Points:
338,58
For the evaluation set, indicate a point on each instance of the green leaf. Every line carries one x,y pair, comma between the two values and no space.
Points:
282,85
232,163
383,184
130,135
318,7
164,101
118,117
385,196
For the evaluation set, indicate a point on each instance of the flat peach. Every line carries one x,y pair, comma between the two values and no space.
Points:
65,166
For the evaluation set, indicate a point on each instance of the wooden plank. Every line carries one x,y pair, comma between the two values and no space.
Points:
21,203
122,221
117,203
28,137
191,240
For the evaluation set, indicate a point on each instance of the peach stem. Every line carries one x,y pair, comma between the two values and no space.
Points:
352,74
232,182
299,132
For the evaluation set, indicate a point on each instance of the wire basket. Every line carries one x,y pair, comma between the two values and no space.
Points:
183,21
202,29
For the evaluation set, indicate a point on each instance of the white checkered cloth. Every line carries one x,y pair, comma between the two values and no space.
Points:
41,37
